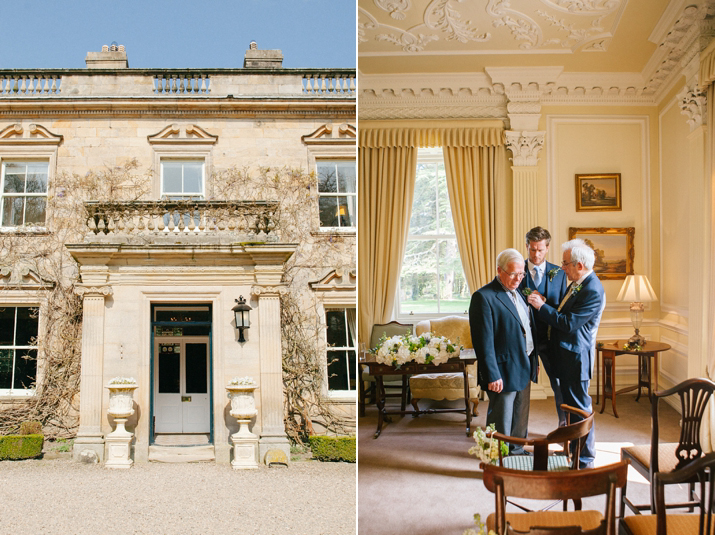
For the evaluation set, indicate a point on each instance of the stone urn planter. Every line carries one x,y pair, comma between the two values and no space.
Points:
121,407
243,408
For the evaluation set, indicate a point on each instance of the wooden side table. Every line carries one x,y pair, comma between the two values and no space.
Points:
608,351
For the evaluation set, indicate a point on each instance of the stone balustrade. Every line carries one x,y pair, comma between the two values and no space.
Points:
175,221
234,83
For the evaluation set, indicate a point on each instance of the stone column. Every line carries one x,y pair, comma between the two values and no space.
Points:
273,434
89,435
525,147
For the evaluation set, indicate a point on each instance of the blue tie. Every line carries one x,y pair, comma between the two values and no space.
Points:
537,277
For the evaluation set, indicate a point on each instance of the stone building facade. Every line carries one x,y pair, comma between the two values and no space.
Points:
161,259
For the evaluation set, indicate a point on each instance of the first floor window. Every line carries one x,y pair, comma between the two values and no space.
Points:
18,349
24,193
182,179
337,193
432,279
341,353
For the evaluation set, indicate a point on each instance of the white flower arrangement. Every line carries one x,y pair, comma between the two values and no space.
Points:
122,381
487,448
423,349
242,381
480,526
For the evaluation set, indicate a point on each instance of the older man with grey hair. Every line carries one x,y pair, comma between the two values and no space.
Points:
572,334
503,335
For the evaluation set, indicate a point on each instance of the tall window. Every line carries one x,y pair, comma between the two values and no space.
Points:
18,351
182,179
341,354
24,193
432,279
336,188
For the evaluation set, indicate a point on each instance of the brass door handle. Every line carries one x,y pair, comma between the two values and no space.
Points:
186,398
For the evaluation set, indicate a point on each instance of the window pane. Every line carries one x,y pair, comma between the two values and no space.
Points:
454,292
172,177
6,357
328,207
327,181
446,224
27,319
192,177
7,326
14,178
12,211
346,177
196,369
35,210
36,178
352,368
25,368
418,280
337,370
336,333
424,206
169,378
345,218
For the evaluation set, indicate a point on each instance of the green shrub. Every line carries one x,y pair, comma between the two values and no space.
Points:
15,447
333,448
30,428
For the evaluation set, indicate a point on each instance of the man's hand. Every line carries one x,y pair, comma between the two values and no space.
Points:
536,300
496,386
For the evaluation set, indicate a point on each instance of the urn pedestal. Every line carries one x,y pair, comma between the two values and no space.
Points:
245,443
118,443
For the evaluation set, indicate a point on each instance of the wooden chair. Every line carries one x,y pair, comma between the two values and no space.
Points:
391,382
667,457
661,524
566,485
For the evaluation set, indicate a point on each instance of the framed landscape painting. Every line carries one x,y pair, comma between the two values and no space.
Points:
598,193
613,247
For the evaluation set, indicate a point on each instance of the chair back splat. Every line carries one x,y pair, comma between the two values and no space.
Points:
694,397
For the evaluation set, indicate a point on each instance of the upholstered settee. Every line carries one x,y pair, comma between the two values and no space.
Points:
448,386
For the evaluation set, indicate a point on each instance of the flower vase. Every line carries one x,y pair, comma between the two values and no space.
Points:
245,443
118,442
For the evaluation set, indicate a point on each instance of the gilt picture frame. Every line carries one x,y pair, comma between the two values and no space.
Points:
615,252
598,192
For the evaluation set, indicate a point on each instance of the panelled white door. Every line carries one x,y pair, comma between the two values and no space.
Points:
181,384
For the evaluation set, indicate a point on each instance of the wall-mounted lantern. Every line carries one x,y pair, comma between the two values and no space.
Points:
243,321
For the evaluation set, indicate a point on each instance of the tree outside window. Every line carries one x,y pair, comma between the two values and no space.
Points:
24,193
432,279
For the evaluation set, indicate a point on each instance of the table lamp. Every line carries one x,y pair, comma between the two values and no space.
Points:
637,290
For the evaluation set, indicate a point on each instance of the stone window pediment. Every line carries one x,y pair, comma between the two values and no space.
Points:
30,134
337,280
188,134
22,277
332,134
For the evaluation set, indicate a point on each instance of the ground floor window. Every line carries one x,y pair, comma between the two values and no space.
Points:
18,348
341,353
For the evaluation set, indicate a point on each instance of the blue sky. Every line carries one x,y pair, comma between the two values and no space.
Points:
42,34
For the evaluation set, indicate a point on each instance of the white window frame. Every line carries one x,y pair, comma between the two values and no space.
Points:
17,299
336,194
165,196
425,156
349,395
3,195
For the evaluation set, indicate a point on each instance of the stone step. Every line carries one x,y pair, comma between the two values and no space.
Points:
182,454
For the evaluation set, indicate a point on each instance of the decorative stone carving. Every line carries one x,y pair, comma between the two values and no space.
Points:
329,134
337,279
17,134
693,102
269,290
245,443
118,442
84,291
525,146
23,277
182,134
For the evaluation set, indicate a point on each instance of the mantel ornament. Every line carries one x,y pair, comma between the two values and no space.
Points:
525,147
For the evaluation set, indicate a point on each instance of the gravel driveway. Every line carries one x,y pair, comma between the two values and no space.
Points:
64,497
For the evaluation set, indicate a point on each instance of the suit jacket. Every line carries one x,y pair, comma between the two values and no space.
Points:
573,330
499,339
554,291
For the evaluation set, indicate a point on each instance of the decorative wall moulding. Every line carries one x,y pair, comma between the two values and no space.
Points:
28,134
93,291
183,134
524,146
269,291
332,134
338,279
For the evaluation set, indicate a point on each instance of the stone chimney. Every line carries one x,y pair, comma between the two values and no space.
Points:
111,57
262,59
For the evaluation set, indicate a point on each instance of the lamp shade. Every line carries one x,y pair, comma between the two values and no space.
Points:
636,289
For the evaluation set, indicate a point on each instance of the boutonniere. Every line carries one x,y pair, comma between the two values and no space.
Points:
575,289
553,272
527,291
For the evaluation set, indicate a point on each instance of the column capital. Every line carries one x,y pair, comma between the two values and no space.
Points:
693,102
93,291
525,146
269,291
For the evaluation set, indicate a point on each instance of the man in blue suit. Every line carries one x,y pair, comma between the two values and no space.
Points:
550,281
572,334
504,337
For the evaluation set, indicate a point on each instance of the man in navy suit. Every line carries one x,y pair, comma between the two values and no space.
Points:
504,340
572,334
550,281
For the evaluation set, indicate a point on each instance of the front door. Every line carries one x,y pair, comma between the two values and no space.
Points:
181,388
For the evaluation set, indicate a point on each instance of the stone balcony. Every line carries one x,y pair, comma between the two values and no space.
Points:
181,222
178,83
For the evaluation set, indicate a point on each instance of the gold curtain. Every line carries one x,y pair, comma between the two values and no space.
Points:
386,177
471,176
707,77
